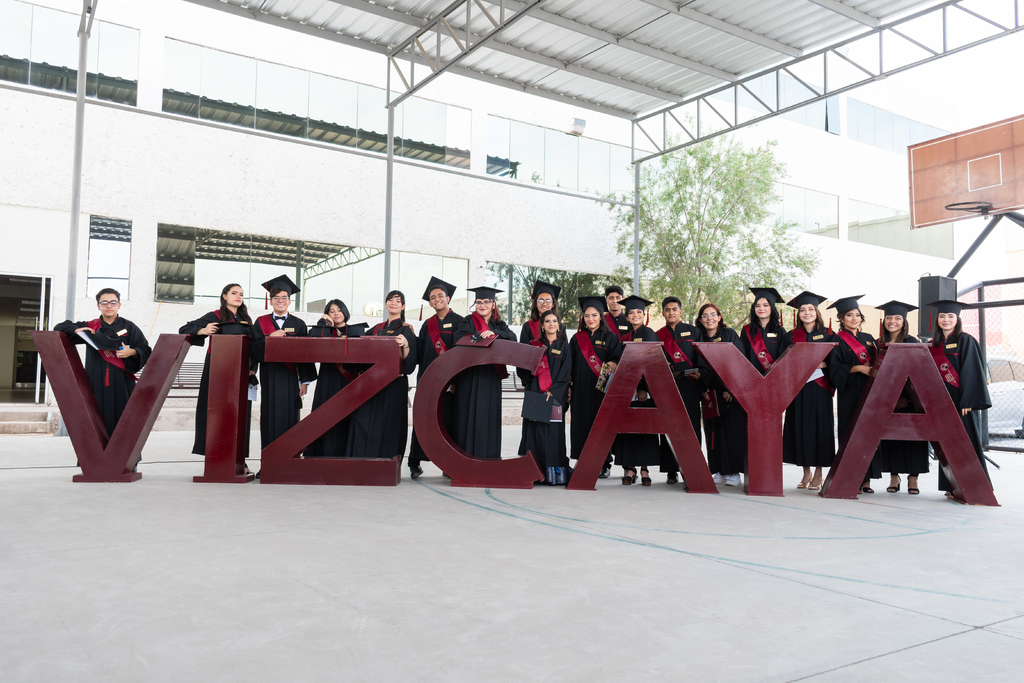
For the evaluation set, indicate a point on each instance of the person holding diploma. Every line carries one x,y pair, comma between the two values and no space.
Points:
808,434
638,451
594,348
546,440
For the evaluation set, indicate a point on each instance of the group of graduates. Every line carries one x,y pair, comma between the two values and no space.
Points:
572,374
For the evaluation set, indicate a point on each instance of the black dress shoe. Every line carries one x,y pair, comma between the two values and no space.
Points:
605,473
672,478
415,470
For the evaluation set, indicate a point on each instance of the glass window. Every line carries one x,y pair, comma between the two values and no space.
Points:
423,130
595,157
110,254
229,88
832,116
900,134
117,63
622,175
15,40
883,129
175,263
526,147
561,159
865,123
183,73
282,99
333,110
458,136
373,119
498,132
852,111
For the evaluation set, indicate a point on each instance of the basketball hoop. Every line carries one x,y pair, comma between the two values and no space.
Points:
981,208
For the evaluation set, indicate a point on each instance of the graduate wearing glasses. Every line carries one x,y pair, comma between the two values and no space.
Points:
477,404
121,352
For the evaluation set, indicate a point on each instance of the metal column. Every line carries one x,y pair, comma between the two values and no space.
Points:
636,228
983,343
40,325
84,29
387,208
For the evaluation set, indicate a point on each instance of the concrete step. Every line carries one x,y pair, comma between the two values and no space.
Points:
12,427
23,415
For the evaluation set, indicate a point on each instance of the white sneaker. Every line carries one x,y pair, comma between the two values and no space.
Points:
733,480
719,479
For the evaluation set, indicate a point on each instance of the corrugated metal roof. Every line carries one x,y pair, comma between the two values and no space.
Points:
626,57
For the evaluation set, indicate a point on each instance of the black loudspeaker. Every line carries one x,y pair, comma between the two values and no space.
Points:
932,288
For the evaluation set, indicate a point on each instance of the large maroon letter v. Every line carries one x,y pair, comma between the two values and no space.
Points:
646,360
765,399
280,459
112,457
939,422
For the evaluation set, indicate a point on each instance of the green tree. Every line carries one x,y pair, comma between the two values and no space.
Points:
573,284
706,232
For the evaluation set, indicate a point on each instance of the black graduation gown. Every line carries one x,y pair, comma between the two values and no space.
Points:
329,381
965,358
690,391
526,337
477,400
199,445
904,457
111,386
586,399
808,435
775,342
849,387
380,426
619,325
546,440
634,451
725,435
426,354
280,402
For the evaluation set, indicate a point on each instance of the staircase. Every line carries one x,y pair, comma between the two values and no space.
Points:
30,420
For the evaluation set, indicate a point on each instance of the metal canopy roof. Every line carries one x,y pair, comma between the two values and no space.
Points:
619,57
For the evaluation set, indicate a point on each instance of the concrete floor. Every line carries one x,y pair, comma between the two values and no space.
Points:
166,580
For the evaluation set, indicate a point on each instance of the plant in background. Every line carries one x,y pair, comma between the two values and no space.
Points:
573,284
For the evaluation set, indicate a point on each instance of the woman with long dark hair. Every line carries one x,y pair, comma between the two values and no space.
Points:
380,426
725,421
231,317
546,440
901,457
638,451
849,367
334,324
544,298
958,357
593,346
764,338
808,434
477,405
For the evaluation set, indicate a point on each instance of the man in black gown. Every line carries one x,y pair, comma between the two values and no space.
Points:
282,385
436,336
616,316
120,351
678,338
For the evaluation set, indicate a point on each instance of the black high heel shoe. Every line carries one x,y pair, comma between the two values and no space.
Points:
629,478
866,487
896,488
644,480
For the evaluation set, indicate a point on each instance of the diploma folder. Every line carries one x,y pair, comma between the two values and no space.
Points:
475,340
538,408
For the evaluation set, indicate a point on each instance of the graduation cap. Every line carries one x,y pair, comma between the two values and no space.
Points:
804,298
356,329
948,306
767,293
540,286
897,308
438,283
231,327
485,292
106,339
595,301
281,282
846,304
634,302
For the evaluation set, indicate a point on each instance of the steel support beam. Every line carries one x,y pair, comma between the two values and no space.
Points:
636,229
388,201
974,246
737,105
84,29
724,27
848,12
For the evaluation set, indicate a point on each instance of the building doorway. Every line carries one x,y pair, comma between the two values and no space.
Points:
24,306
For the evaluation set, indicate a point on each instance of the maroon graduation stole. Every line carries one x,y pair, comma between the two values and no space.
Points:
863,354
267,325
481,325
675,354
614,327
535,328
543,370
434,330
587,349
760,349
949,375
800,335
109,356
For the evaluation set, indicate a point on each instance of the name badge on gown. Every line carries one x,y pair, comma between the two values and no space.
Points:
446,325
772,335
950,346
818,336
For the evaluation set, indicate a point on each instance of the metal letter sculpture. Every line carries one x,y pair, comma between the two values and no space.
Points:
108,457
646,360
765,399
227,411
464,469
939,422
281,463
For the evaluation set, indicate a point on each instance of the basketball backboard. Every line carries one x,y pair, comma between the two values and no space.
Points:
984,164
